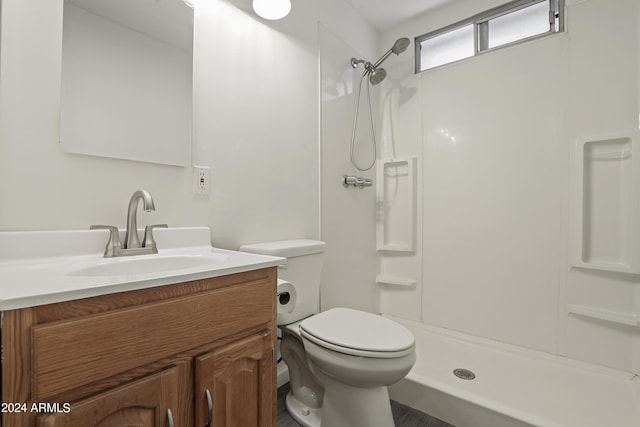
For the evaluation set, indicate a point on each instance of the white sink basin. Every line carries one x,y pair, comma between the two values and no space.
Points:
150,264
44,267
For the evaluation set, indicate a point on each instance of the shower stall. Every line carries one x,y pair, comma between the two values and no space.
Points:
485,230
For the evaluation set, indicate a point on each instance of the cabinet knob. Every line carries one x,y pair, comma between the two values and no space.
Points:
207,394
170,418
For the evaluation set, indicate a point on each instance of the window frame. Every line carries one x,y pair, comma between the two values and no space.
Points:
481,29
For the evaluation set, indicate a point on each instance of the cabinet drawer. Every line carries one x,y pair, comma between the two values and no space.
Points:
75,352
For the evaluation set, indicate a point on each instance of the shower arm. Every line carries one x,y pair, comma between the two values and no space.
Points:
368,66
355,62
382,59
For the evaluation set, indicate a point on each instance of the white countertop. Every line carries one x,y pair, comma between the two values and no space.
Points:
43,267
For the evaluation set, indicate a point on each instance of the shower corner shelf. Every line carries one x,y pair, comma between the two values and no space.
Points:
605,202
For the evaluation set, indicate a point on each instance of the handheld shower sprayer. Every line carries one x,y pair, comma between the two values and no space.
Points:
376,75
398,47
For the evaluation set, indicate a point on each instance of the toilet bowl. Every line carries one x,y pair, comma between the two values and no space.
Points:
341,360
354,356
340,364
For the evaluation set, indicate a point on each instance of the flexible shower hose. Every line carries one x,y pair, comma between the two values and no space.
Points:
355,124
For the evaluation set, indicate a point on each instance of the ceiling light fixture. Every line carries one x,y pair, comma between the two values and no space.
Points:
272,9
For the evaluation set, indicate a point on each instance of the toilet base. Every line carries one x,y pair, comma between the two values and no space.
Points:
346,406
308,417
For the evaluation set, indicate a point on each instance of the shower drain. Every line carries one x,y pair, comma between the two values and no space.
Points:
464,374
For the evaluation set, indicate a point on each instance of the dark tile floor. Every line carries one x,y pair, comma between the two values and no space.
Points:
403,416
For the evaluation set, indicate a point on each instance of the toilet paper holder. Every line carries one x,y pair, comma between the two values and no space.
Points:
284,297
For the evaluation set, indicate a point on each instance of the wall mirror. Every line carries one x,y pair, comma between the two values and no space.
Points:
127,80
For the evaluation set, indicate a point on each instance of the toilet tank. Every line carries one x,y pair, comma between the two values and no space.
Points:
302,269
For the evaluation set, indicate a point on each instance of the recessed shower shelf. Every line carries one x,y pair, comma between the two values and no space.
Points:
629,319
606,203
614,155
396,193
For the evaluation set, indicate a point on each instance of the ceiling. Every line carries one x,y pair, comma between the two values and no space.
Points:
386,14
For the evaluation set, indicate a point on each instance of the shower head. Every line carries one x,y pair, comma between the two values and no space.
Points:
398,47
377,75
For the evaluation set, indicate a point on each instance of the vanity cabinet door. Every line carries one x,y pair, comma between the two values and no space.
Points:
235,384
149,402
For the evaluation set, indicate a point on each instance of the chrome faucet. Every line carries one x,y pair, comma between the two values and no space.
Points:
131,239
132,244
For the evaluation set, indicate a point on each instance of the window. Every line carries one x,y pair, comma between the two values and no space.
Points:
505,25
448,47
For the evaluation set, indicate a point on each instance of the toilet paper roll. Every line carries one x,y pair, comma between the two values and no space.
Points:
286,300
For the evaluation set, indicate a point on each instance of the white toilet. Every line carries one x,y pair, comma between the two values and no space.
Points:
340,361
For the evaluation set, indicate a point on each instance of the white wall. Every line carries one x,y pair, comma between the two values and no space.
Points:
256,125
256,107
494,140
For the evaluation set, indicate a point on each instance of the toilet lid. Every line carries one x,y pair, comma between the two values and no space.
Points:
358,332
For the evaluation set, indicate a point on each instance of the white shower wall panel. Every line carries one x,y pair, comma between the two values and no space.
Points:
495,139
603,100
347,214
401,138
493,159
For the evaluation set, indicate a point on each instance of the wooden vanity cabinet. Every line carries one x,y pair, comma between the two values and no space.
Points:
175,355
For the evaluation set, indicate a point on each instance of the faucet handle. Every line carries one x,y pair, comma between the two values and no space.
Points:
148,240
113,244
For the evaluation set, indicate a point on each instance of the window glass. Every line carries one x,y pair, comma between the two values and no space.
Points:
510,23
518,25
447,47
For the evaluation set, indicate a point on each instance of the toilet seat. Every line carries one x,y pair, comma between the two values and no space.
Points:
358,333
